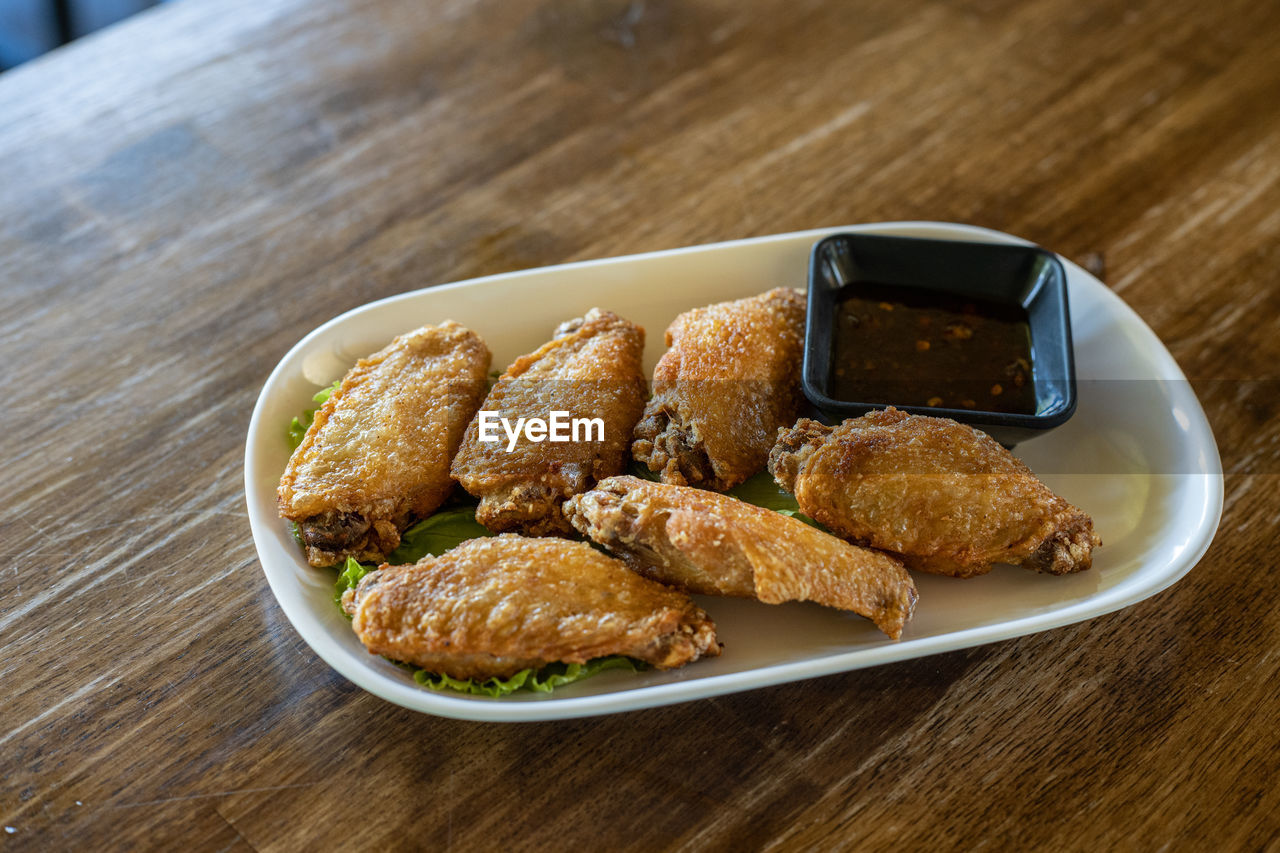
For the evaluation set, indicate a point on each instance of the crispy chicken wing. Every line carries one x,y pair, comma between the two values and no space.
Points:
590,370
704,542
377,454
729,381
492,607
944,496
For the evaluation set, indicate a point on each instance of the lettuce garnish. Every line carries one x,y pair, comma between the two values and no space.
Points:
641,470
348,578
543,680
437,533
298,428
762,490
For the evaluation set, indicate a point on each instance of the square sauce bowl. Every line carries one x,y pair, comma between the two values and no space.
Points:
976,332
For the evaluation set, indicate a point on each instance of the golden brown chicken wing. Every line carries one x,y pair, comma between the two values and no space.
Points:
944,496
590,373
729,381
492,607
704,542
377,454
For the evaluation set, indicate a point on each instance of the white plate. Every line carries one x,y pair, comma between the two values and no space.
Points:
1138,456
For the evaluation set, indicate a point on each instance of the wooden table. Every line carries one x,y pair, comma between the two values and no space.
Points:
186,195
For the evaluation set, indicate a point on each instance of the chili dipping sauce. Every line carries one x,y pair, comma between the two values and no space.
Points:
911,347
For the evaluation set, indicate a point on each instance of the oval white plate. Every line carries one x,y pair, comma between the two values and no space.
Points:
1138,455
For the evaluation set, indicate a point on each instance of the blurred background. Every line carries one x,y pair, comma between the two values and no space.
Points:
29,28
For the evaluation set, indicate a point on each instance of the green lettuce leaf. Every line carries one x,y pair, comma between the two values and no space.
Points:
541,681
348,578
437,533
762,490
800,516
641,470
298,427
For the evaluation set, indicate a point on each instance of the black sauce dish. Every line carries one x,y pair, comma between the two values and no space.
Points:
1022,278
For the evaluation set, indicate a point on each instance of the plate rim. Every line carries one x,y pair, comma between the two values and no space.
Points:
1128,592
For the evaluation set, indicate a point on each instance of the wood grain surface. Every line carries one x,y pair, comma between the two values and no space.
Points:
184,196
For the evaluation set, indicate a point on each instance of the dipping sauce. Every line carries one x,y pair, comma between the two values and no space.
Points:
912,347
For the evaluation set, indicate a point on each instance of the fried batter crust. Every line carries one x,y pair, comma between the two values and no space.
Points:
945,497
492,607
592,369
377,454
704,542
729,381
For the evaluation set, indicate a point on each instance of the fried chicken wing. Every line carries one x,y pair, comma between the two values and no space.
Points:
377,455
946,497
729,381
492,607
591,370
704,542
